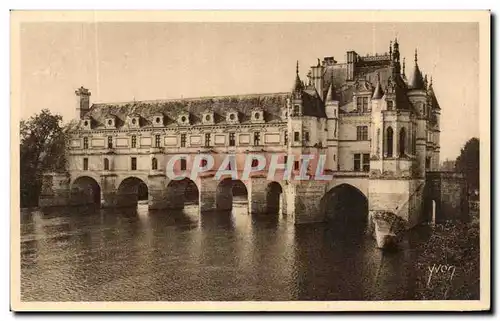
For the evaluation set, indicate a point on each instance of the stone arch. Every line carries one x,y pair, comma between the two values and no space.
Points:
345,206
230,191
389,138
181,193
131,190
274,198
85,190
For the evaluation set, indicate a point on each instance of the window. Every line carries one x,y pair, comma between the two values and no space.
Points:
285,138
296,109
157,140
106,164
154,164
255,163
85,164
110,142
365,104
359,103
232,141
85,142
362,162
133,163
296,136
296,165
389,142
183,140
366,162
134,121
256,138
427,162
203,163
184,164
402,142
362,104
362,132
389,105
357,162
285,161
256,115
207,140
134,141
306,136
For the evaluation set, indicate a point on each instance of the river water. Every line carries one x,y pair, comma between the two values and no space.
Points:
85,254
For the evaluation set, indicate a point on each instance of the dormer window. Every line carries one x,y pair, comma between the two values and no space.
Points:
208,118
110,122
390,105
232,117
183,119
87,124
158,120
258,115
362,104
134,121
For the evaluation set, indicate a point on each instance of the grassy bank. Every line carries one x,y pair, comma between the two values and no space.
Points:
448,263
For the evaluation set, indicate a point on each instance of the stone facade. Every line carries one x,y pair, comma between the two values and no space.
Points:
378,130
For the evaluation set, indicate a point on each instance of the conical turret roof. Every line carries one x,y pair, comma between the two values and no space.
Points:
378,93
416,80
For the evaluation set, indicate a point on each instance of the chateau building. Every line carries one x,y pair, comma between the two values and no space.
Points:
378,127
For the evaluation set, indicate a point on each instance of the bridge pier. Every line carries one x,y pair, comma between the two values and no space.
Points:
208,193
307,201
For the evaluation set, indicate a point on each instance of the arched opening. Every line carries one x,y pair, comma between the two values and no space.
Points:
389,141
231,192
346,208
132,191
85,190
181,193
402,142
274,198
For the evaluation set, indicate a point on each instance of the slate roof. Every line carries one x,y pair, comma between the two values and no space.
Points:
271,104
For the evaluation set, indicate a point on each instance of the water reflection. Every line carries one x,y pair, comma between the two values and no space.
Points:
91,254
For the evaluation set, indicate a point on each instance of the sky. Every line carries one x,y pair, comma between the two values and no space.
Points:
146,61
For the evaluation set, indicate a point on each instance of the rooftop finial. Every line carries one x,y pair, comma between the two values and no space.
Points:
297,69
390,48
318,62
416,56
403,66
396,40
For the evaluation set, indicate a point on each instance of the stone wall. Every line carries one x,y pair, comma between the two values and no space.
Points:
449,192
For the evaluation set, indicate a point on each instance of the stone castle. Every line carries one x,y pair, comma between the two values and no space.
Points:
378,127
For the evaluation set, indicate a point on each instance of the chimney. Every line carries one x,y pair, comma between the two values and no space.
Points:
83,102
317,78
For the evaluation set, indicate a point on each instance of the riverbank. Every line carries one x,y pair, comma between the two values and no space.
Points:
448,263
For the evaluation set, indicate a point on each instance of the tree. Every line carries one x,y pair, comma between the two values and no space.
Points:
42,149
468,163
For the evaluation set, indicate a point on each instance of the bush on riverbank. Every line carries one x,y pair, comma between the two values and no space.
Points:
448,263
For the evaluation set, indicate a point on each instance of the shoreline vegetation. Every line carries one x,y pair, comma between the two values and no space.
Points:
448,263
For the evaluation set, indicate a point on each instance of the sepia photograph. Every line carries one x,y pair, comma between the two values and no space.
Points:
250,161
